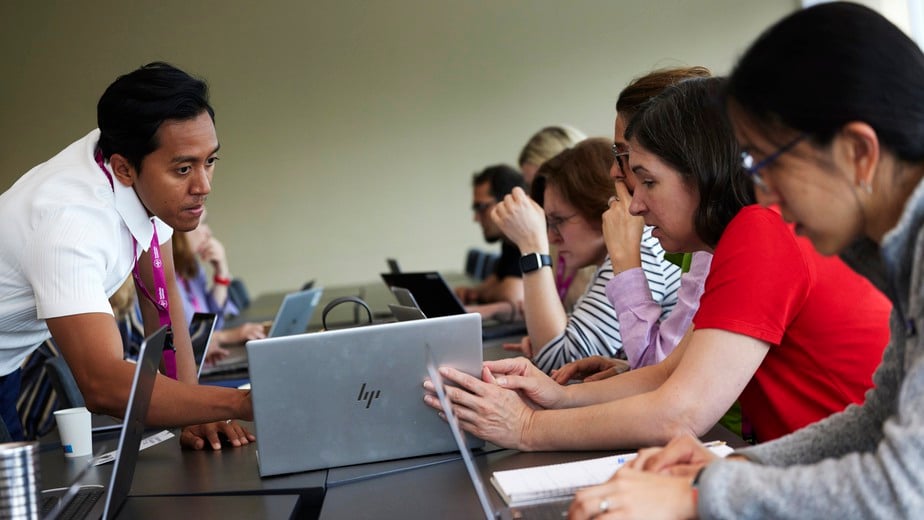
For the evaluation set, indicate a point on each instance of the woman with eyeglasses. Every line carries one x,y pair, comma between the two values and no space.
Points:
841,151
576,188
780,328
542,146
647,338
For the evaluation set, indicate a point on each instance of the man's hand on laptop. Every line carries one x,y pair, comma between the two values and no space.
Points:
212,434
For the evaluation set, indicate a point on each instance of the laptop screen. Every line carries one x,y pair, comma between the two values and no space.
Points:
201,328
133,428
433,295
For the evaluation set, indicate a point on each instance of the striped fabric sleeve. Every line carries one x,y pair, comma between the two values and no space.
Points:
593,328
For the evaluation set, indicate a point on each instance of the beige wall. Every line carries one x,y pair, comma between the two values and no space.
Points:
350,129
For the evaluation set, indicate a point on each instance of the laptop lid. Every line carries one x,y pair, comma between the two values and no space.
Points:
295,312
405,313
459,439
433,295
404,296
201,328
363,401
139,400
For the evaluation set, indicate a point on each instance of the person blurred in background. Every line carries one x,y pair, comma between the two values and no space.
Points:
192,249
576,191
571,281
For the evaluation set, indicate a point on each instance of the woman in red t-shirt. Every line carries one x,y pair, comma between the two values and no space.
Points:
794,334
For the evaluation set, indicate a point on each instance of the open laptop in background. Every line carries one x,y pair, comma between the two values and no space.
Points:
429,291
85,502
295,312
435,298
201,328
363,401
557,508
292,318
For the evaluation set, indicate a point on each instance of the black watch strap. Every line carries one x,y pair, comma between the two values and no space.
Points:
534,261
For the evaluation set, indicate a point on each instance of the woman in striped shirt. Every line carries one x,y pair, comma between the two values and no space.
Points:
577,190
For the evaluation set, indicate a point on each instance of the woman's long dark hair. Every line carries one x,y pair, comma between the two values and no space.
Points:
822,67
686,127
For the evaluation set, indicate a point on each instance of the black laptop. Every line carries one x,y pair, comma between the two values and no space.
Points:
94,501
436,299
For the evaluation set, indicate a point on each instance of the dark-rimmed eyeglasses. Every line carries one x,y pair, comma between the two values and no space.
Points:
554,224
621,157
753,168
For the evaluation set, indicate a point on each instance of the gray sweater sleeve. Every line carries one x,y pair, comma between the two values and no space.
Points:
865,462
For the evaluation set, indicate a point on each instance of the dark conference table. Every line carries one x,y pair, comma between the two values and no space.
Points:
445,490
224,484
227,484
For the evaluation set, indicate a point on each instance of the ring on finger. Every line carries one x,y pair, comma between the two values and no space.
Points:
613,199
604,505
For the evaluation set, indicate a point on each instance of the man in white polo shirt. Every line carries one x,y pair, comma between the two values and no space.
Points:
74,228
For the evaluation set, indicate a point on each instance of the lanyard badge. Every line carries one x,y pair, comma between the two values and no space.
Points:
159,298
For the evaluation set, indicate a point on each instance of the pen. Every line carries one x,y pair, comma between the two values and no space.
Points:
714,444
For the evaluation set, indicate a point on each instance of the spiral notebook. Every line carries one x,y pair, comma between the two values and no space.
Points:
529,485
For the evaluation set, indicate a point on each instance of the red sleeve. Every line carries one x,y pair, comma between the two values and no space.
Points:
759,279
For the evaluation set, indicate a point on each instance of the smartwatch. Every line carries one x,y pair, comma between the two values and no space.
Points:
534,261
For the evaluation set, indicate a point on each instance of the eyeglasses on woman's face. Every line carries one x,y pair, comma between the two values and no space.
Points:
753,167
621,156
554,223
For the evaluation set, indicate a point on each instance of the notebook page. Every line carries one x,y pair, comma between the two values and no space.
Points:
526,485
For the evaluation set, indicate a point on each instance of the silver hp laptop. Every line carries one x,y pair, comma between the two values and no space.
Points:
352,396
84,502
557,508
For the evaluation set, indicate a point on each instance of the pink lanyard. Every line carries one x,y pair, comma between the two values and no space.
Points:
160,280
561,282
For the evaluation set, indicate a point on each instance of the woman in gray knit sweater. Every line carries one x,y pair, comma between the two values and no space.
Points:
828,105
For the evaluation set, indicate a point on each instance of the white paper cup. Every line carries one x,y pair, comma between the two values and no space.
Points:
75,431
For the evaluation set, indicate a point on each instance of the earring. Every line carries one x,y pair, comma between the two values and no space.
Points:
867,187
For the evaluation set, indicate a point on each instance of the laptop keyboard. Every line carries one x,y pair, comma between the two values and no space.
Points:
235,363
79,507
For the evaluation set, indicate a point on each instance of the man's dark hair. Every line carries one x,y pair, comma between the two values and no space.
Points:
133,107
503,179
